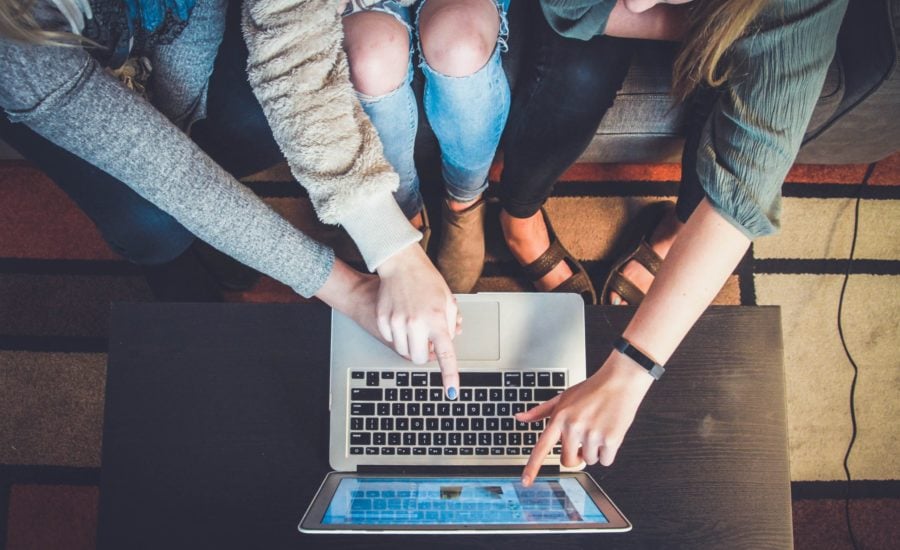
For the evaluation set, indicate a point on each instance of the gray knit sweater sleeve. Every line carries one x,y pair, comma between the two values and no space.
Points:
299,73
62,94
756,128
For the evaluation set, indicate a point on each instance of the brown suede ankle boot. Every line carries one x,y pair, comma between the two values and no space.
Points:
460,257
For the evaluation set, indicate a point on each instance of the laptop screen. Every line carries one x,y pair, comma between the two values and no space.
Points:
460,501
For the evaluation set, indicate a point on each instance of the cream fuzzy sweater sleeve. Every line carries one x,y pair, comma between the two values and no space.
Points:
299,73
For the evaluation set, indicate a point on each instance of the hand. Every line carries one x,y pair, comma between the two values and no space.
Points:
354,294
591,417
416,310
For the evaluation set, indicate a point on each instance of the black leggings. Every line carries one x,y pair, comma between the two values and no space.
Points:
565,88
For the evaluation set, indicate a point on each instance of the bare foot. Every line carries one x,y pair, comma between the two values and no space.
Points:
527,239
660,241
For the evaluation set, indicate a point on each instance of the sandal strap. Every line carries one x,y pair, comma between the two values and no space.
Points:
625,288
551,257
647,257
580,284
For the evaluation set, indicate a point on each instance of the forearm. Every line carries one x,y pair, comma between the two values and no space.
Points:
702,258
108,126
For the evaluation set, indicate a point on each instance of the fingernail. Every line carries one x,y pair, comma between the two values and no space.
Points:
616,301
451,393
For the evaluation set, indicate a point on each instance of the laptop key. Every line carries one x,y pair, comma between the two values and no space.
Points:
403,451
424,439
372,378
466,451
421,394
513,451
409,439
418,451
496,451
402,379
515,438
545,395
395,439
495,394
402,424
371,423
406,394
379,438
481,451
465,394
543,379
511,395
529,379
372,451
387,451
435,451
483,439
362,409
419,379
507,424
417,424
384,409
454,438
360,438
451,451
431,424
481,395
499,439
559,379
462,424
358,375
488,409
492,424
356,450
440,438
447,424
526,451
387,375
512,379
390,394
459,409
413,409
470,438
356,423
503,409
387,424
398,409
478,424
428,409
526,395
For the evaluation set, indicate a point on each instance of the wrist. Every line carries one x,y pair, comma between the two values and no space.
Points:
339,287
626,372
400,260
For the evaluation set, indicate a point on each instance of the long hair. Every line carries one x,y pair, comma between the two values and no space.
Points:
18,23
713,26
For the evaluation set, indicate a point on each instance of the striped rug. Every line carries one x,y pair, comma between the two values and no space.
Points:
57,279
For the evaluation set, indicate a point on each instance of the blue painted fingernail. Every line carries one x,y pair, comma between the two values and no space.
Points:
451,393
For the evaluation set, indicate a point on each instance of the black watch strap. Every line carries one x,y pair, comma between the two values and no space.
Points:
624,346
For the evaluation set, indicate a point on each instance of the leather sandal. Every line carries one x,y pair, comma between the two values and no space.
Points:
579,283
636,247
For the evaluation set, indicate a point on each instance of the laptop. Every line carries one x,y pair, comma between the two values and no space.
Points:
407,459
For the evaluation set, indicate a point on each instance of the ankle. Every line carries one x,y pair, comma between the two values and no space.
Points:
457,206
521,230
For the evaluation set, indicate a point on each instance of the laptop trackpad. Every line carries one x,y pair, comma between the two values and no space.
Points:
480,338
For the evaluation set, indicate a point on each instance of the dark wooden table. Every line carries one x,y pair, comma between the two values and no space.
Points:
216,434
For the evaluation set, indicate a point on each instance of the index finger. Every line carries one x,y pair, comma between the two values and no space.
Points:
543,447
446,358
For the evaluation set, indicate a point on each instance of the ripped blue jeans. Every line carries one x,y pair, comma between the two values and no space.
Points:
466,113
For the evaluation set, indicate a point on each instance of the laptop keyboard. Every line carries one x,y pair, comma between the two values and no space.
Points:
401,413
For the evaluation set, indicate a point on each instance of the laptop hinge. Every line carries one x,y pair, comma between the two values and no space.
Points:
454,470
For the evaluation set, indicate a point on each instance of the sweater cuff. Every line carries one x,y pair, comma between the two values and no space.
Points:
379,229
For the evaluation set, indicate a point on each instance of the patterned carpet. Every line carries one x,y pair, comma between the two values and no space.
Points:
57,279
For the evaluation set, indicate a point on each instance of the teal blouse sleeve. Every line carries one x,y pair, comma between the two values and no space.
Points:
756,127
581,19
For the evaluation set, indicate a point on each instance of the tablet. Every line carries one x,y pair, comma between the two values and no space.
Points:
459,504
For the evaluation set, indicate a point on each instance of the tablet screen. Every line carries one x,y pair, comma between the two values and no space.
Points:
461,501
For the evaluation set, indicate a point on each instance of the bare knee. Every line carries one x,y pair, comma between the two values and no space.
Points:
377,47
458,36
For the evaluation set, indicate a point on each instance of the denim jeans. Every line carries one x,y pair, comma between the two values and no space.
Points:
562,93
466,113
234,133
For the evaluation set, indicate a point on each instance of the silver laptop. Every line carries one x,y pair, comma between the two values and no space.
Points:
410,446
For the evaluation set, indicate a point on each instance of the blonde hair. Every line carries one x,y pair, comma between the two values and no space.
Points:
713,27
18,23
